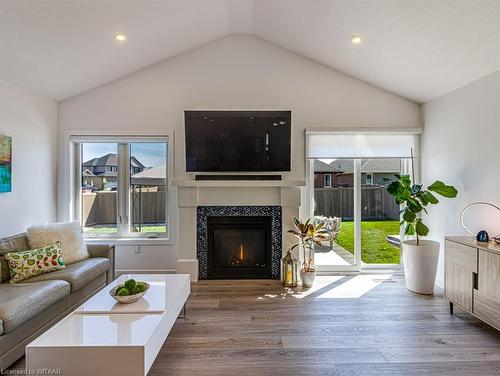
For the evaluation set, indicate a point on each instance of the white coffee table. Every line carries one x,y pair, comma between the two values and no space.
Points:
103,337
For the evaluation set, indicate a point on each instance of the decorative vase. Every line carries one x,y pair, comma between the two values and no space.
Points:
307,277
420,264
482,236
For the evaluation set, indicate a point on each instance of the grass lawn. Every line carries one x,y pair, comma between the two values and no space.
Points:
112,229
374,248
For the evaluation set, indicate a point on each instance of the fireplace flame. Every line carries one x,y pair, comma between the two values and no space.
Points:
242,253
239,256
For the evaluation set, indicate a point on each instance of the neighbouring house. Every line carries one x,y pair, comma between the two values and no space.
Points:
373,171
325,175
101,173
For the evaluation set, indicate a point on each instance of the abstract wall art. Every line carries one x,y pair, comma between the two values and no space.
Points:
5,164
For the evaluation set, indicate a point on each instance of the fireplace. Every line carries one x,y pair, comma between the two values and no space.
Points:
239,247
239,242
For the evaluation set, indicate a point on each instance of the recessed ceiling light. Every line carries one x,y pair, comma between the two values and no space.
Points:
121,37
356,39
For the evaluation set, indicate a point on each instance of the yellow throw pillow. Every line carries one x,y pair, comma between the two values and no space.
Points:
27,264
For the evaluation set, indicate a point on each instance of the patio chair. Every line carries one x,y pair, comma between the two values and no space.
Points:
332,225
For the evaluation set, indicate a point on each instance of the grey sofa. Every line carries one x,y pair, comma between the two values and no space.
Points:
29,308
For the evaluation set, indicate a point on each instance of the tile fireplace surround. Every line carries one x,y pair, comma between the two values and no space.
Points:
202,214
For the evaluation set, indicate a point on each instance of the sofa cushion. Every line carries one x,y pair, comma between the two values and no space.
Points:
14,243
68,233
22,301
78,274
27,264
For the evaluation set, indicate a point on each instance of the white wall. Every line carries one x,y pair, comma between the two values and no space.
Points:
31,121
236,72
460,146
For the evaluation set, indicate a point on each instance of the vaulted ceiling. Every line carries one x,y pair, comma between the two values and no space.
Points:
417,49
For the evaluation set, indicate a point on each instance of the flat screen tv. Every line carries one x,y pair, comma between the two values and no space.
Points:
238,141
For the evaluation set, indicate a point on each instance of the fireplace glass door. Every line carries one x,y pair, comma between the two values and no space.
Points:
239,247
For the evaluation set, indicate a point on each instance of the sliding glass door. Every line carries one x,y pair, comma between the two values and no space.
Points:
333,205
349,196
380,226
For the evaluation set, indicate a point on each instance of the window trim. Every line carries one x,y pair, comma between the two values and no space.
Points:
75,140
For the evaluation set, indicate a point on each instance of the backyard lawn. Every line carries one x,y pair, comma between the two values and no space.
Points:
374,247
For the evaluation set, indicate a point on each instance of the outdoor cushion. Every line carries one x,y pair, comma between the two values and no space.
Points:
14,243
78,274
21,301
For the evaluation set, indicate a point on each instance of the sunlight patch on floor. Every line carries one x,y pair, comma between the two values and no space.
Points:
354,286
321,282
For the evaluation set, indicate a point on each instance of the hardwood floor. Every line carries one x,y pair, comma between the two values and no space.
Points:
344,325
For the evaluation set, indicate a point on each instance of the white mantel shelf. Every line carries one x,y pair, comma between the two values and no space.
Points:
239,183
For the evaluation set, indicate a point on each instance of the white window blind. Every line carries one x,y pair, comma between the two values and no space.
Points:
363,143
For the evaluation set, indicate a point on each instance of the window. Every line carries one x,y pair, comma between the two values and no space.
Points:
328,180
369,179
123,190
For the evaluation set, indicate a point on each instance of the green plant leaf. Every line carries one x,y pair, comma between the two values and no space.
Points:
410,229
405,193
409,216
405,180
430,197
394,188
421,229
442,189
319,226
422,200
414,205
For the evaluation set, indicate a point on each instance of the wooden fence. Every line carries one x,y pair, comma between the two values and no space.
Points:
376,203
99,208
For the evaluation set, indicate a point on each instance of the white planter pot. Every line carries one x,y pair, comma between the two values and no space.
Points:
307,278
420,263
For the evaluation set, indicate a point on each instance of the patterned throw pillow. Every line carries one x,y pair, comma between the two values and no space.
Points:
27,264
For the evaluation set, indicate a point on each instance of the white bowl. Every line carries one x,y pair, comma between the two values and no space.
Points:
128,298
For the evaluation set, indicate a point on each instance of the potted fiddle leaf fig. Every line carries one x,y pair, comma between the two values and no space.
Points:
420,257
308,234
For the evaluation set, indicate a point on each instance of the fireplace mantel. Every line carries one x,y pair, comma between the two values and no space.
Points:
194,194
239,183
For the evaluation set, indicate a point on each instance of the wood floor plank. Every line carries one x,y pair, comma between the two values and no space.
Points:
203,303
420,369
272,357
449,354
381,341
326,329
336,318
224,343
